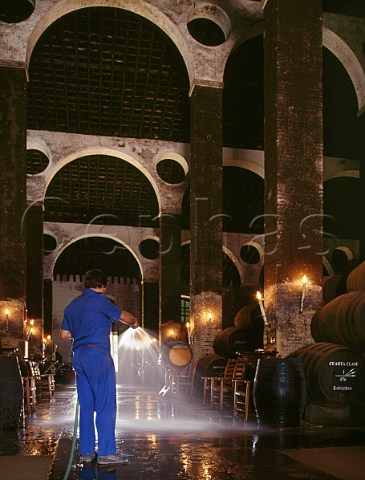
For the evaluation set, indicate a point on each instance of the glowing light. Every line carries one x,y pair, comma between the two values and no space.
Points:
302,298
137,356
7,319
263,314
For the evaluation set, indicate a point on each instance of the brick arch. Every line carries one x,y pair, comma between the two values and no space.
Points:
143,9
97,150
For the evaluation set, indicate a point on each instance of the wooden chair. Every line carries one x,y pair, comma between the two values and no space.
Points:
241,397
44,382
30,397
206,389
242,384
182,383
221,390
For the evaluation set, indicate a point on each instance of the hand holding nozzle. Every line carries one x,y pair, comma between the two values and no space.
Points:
129,319
135,324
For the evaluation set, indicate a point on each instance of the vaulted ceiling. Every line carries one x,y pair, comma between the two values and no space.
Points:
109,72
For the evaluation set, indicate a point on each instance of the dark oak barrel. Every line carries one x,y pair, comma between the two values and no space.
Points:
333,286
341,321
335,374
231,341
279,392
356,278
209,366
249,317
11,392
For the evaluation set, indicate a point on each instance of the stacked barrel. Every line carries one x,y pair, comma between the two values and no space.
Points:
246,335
334,366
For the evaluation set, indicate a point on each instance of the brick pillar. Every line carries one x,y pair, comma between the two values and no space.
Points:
47,314
170,283
205,217
151,305
360,154
12,204
293,168
34,276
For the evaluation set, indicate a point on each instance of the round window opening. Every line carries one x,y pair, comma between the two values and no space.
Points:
250,254
170,171
209,25
150,249
16,11
37,162
341,257
49,244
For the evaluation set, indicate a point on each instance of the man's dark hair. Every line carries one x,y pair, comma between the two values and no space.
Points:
95,279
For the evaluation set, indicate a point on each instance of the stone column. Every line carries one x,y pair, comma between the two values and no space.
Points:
47,315
361,149
293,169
12,205
170,283
206,216
34,277
150,305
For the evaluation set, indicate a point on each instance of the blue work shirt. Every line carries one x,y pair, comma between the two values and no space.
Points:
89,318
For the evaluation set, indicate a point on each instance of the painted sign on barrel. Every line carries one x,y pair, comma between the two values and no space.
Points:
335,374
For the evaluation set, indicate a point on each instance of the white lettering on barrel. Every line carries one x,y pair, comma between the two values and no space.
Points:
343,364
341,388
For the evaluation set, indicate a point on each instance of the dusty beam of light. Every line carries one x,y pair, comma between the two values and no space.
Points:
137,357
137,339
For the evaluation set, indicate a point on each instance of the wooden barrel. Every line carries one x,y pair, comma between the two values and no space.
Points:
11,392
279,392
333,286
249,317
176,355
209,366
252,358
231,341
334,373
341,321
356,279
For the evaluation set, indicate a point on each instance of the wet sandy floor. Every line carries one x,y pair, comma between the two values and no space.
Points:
172,438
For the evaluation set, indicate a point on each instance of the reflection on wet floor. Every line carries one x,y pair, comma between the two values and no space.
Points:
167,437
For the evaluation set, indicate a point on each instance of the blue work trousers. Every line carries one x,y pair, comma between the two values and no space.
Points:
96,389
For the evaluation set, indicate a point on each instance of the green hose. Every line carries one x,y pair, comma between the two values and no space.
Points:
76,424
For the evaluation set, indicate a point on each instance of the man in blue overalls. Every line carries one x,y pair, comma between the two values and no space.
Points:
87,320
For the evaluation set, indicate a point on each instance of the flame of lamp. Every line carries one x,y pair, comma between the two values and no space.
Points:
262,310
302,298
